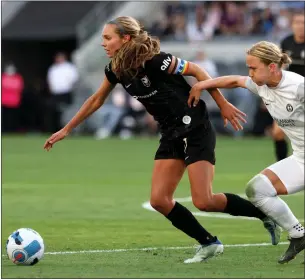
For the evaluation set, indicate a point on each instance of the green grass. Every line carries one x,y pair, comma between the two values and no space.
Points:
87,195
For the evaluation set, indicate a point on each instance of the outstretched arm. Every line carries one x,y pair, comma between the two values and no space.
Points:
201,75
93,103
228,111
222,82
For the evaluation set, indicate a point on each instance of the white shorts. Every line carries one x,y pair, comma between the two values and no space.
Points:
291,172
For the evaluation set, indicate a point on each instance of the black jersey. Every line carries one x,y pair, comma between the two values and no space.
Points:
297,52
164,96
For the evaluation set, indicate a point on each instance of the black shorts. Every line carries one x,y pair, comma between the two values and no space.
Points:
197,145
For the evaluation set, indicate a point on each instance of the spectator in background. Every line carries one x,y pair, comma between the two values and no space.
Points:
173,8
282,25
204,62
195,28
256,25
231,20
62,77
268,21
162,28
213,18
180,28
12,89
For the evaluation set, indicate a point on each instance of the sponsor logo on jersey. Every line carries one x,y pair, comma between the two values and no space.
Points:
146,96
166,62
285,122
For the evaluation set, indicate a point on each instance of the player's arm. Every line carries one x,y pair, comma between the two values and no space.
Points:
186,68
228,111
169,64
222,82
93,103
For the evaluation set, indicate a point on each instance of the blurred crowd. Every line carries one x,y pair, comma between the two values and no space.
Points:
204,20
44,106
36,105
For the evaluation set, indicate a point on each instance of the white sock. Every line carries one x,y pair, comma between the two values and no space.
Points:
279,211
262,194
296,231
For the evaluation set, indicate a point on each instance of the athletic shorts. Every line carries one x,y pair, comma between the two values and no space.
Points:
196,145
291,172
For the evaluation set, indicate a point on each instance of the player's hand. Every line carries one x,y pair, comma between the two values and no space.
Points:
233,115
194,97
61,134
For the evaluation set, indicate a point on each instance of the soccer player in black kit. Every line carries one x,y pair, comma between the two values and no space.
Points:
294,46
187,139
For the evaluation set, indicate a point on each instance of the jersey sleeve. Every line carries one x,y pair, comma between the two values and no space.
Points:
111,75
251,85
300,92
160,62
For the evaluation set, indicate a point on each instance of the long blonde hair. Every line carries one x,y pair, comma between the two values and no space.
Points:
269,53
133,54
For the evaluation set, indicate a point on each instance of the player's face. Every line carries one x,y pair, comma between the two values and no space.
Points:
298,25
111,40
258,71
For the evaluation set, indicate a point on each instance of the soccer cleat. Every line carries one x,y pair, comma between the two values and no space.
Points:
295,247
206,251
274,229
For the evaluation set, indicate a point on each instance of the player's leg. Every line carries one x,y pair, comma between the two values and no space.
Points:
282,178
280,143
199,149
201,177
166,176
200,157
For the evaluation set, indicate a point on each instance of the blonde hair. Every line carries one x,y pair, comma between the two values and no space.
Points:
133,54
269,53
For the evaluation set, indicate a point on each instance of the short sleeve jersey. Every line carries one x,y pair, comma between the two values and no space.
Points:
163,95
285,104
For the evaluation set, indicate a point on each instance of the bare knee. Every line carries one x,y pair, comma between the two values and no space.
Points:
162,204
205,204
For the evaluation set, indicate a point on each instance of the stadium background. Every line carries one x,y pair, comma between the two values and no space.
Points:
87,193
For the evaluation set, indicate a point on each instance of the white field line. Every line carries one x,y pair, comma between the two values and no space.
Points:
153,249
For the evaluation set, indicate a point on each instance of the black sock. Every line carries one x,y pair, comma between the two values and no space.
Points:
281,149
238,206
185,221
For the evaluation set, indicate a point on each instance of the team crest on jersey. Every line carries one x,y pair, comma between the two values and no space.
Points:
145,81
303,54
289,108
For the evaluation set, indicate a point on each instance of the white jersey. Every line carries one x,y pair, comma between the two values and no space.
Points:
285,104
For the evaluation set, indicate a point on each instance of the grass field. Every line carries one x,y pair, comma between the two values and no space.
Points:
87,195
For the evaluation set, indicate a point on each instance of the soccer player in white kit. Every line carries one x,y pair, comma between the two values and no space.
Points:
283,93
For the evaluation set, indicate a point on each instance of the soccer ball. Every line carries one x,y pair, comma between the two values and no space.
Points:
25,247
